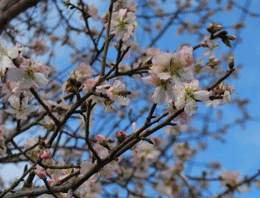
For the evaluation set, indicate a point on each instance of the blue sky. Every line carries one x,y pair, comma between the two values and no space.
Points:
241,151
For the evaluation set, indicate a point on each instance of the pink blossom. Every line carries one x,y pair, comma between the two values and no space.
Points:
187,97
8,56
89,189
100,138
123,24
168,187
231,179
164,91
19,109
177,67
187,54
221,90
83,72
28,75
107,171
212,66
183,152
207,42
45,154
117,93
145,154
40,171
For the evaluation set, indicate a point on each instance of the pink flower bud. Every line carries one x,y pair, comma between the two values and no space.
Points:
40,172
102,141
121,136
46,154
100,138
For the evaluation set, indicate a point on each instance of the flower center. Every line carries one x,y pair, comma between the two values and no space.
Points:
29,73
122,24
174,67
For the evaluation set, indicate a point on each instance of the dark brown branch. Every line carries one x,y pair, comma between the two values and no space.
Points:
14,11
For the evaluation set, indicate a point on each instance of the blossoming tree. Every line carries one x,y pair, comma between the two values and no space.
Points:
112,112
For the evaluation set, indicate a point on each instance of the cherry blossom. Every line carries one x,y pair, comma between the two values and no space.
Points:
123,24
40,171
83,72
164,91
107,171
183,152
221,90
117,93
19,107
212,66
8,56
187,97
93,12
29,74
90,189
178,67
168,187
231,179
78,154
145,154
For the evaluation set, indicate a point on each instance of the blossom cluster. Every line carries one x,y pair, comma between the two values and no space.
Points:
173,77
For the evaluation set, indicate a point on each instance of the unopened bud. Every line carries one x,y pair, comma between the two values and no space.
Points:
231,62
226,41
231,37
102,141
210,28
121,136
213,28
116,46
45,154
100,138
212,58
218,27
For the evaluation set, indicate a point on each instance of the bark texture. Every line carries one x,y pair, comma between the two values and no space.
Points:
11,9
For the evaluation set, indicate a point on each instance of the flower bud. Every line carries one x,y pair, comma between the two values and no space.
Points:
40,172
231,62
231,37
218,27
102,141
226,41
45,154
100,138
213,28
121,136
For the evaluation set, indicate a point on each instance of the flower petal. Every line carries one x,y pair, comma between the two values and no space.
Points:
201,95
